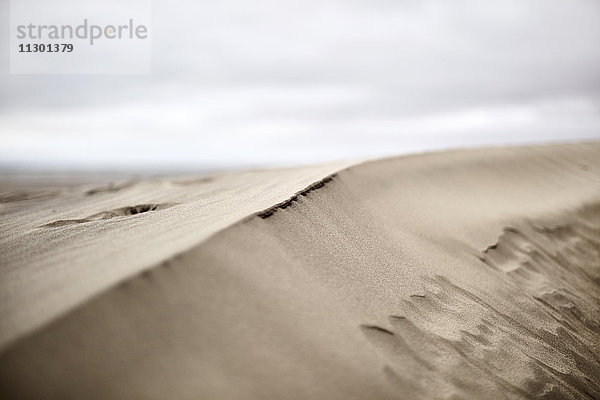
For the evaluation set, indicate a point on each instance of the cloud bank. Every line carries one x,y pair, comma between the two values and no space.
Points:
237,83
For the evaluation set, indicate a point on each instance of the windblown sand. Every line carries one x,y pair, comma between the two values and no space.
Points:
465,274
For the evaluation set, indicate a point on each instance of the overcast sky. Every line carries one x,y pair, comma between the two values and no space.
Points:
284,82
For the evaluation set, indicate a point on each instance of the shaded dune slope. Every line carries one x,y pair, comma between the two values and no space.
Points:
468,274
63,240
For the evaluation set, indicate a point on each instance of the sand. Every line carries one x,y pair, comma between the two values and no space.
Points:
464,274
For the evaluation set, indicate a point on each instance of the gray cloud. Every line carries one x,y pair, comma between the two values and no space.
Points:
264,82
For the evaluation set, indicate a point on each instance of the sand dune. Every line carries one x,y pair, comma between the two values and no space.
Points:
465,274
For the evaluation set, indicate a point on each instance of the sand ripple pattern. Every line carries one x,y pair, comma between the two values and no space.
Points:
555,268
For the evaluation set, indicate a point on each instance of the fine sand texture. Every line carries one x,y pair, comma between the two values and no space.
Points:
459,275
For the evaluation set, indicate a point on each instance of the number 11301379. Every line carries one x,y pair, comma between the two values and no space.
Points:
46,48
